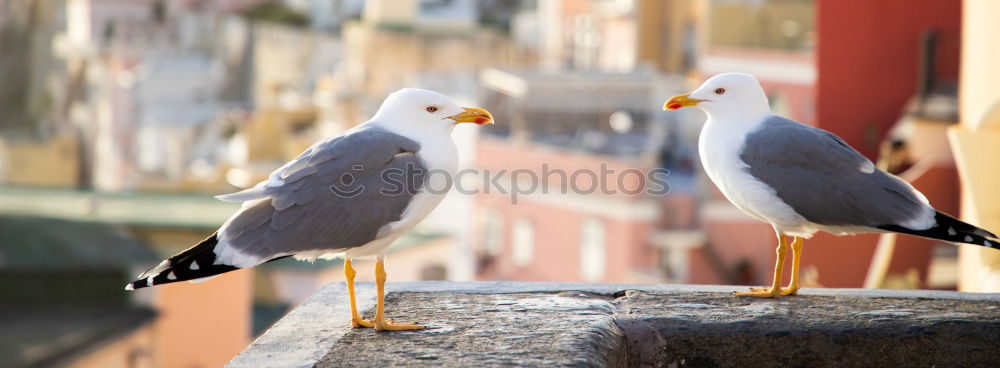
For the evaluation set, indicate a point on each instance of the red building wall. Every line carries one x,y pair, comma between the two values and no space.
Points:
558,228
867,59
557,251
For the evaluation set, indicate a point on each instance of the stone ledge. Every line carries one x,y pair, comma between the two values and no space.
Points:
579,324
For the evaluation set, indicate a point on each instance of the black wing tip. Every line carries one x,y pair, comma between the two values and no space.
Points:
969,233
191,264
140,283
184,271
950,229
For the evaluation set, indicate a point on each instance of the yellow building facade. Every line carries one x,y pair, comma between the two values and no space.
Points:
976,141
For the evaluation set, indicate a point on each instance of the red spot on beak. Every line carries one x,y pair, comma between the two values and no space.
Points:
674,106
482,120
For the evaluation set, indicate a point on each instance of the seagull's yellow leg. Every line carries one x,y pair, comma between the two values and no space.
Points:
775,288
381,324
793,285
356,320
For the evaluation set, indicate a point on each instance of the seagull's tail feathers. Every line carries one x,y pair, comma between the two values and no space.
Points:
194,263
950,229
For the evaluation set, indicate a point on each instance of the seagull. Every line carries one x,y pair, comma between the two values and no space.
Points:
347,196
802,179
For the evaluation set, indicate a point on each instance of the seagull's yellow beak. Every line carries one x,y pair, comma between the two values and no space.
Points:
680,101
473,115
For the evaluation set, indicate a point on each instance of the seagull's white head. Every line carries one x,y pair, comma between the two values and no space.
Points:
727,94
420,110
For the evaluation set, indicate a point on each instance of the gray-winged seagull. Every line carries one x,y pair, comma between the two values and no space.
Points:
350,196
802,179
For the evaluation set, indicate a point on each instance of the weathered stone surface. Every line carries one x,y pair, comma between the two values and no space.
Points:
566,324
466,330
712,330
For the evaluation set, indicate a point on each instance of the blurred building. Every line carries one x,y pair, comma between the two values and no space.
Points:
62,300
435,44
773,40
548,107
616,36
36,148
566,228
131,105
115,236
570,206
975,141
592,101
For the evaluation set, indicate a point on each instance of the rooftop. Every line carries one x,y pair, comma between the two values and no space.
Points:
33,243
559,90
51,334
184,210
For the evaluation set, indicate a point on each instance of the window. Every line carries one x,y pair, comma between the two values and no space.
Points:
592,249
492,231
524,243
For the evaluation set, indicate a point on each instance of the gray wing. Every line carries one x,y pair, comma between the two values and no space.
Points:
337,194
826,181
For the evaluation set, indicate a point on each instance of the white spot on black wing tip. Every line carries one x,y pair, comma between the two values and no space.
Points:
129,286
194,265
867,167
171,276
968,238
149,281
988,244
952,232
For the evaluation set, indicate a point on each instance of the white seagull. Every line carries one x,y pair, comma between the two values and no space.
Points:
348,196
802,179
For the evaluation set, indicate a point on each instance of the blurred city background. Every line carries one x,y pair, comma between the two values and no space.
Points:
120,119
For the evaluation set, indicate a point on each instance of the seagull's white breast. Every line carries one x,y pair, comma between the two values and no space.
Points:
719,146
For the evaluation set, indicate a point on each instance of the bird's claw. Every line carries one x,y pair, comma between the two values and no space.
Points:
359,322
784,291
759,293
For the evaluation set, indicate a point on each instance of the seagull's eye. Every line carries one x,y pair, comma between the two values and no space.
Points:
431,109
720,91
